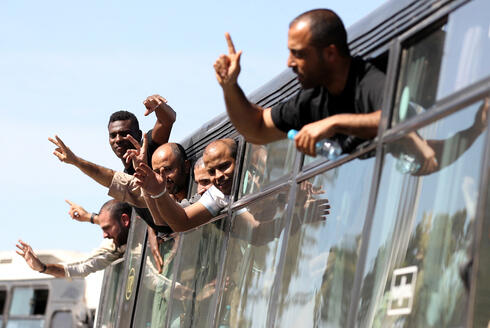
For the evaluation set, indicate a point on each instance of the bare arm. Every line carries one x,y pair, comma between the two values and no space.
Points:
35,263
165,118
364,126
99,173
164,209
252,121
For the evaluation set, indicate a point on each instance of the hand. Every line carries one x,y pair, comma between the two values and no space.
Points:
227,67
320,209
151,182
481,117
158,103
29,256
63,153
77,212
424,154
137,155
310,134
155,249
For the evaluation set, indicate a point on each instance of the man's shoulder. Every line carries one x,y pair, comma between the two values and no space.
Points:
367,71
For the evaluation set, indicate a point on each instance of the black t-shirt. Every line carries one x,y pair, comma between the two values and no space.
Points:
362,94
144,213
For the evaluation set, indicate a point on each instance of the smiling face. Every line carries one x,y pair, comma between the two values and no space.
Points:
305,59
166,160
118,130
220,164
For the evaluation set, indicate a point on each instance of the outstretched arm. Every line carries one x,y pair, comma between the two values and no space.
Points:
80,214
99,173
165,118
163,208
35,263
252,121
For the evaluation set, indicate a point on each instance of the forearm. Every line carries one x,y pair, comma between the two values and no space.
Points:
245,116
163,125
56,270
364,126
99,173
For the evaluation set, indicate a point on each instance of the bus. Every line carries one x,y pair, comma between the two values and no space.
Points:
406,241
29,299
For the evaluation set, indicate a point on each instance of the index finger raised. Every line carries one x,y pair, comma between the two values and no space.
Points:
69,203
133,141
231,47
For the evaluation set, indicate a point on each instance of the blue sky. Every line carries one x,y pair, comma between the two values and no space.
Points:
65,67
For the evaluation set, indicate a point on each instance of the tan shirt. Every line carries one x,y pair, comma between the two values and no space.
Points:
124,189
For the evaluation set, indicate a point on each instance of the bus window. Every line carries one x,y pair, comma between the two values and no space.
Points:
61,319
266,164
28,301
422,231
3,298
419,76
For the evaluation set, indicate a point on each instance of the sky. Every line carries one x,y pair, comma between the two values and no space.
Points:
65,67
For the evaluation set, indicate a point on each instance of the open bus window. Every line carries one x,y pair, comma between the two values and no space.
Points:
443,59
3,298
28,301
266,164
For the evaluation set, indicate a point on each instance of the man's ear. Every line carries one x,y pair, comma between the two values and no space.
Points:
187,166
125,219
140,135
330,52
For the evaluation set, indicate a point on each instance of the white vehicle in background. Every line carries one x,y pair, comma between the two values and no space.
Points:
29,299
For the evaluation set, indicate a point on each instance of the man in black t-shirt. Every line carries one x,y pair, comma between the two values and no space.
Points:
341,95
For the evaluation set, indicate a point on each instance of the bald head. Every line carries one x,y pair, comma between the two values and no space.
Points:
171,159
219,158
326,28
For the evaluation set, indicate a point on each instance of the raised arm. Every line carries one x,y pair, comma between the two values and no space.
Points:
99,173
165,118
163,208
35,263
80,214
252,121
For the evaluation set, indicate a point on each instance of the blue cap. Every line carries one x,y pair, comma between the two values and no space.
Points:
292,133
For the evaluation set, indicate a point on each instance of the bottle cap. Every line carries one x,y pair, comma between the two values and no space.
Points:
292,133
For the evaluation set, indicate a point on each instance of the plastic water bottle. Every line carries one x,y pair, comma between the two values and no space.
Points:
326,147
225,322
406,164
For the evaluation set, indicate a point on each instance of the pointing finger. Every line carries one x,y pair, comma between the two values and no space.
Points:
133,141
53,141
69,203
231,47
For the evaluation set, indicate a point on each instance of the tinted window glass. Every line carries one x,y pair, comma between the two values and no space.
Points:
423,225
27,301
322,254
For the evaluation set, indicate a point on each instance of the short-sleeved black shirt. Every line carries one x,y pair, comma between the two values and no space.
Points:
144,213
363,94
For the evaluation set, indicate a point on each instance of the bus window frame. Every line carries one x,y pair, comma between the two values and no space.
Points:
10,297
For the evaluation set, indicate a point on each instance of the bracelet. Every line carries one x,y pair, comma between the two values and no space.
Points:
160,194
45,267
92,216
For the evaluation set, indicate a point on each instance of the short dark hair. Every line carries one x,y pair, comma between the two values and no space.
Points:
116,209
326,28
124,115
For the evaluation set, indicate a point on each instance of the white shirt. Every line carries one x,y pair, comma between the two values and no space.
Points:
214,200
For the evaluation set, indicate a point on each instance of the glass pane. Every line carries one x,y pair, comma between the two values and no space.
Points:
252,257
62,319
467,47
419,76
481,313
195,286
28,301
112,284
266,164
154,290
133,259
13,323
422,228
322,254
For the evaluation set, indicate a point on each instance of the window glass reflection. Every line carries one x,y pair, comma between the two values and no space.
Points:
253,250
113,283
424,222
467,47
196,278
265,164
15,323
419,76
323,248
154,290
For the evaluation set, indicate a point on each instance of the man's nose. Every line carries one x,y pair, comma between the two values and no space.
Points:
105,234
219,174
291,62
